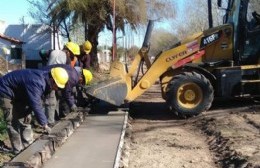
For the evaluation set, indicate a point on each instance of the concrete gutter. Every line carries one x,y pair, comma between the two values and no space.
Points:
44,147
121,143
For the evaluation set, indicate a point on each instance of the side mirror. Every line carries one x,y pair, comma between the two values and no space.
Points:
219,3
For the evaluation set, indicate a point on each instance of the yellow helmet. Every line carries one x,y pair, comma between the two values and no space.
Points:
60,76
87,75
5,50
87,46
73,47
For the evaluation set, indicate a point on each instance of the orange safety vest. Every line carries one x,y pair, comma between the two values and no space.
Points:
73,62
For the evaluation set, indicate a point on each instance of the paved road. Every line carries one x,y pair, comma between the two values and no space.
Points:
94,144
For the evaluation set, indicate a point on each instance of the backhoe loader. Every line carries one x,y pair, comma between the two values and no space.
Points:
222,61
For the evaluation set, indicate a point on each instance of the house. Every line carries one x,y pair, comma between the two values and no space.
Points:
10,59
13,44
104,59
34,37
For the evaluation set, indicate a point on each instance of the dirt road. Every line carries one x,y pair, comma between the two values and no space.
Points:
228,135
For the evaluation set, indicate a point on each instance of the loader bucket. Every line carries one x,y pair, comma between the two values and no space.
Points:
112,91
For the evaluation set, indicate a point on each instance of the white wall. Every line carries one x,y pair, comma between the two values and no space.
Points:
2,26
36,37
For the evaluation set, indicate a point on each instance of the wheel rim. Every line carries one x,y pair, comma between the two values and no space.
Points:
189,95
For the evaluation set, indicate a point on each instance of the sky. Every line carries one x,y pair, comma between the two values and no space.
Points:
12,11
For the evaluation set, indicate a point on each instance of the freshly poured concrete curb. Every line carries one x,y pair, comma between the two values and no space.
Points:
44,147
121,143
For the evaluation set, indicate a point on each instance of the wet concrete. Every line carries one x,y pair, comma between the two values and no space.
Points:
43,148
94,144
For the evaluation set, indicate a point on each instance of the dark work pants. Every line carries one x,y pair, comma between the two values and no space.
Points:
80,96
51,104
18,118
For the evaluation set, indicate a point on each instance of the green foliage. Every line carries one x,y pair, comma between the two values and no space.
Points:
95,16
120,52
132,52
3,132
162,40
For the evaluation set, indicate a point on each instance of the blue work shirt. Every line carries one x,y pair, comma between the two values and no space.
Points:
28,86
72,82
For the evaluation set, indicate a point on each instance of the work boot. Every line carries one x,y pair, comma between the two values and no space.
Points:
26,135
15,139
4,148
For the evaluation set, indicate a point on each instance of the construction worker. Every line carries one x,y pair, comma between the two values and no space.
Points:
84,62
76,76
65,56
80,95
21,93
85,77
84,58
44,54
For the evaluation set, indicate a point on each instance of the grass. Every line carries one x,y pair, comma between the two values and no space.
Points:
3,128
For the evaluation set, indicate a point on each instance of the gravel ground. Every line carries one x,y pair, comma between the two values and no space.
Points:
225,136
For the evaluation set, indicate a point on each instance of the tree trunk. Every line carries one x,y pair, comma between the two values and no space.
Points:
53,37
114,47
67,31
93,32
86,31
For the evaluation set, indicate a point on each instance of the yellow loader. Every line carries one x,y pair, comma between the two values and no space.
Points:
219,62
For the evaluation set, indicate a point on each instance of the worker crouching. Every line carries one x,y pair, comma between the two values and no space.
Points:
64,101
21,93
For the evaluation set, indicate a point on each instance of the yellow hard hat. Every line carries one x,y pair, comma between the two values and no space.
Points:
73,47
60,76
87,75
5,50
87,46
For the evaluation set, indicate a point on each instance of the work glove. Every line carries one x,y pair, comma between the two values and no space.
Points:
73,108
47,129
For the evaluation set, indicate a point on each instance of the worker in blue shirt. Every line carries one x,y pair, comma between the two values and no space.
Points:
77,76
21,93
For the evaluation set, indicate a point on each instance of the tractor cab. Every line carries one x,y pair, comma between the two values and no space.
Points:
244,15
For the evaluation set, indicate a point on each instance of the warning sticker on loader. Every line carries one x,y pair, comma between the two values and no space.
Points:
192,46
210,39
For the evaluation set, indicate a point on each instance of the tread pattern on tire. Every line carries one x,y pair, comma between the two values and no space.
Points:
200,80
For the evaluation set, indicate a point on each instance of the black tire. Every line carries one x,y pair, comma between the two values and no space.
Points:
189,94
